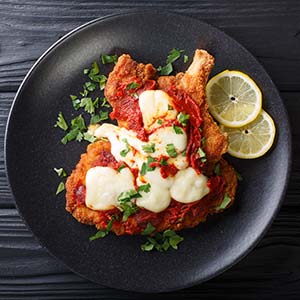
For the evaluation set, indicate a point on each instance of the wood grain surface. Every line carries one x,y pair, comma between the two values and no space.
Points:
270,30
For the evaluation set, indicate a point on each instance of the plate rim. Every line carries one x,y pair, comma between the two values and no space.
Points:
165,13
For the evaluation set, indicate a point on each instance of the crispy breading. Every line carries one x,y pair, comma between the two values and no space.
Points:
193,82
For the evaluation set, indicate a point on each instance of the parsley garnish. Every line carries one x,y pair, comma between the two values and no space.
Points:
183,118
60,188
125,151
159,121
60,172
89,86
239,176
162,242
170,148
88,105
203,141
177,129
89,137
102,82
121,167
61,122
149,148
144,188
76,132
185,58
103,115
225,202
202,155
104,232
146,166
184,153
75,102
170,107
105,103
166,70
132,85
149,229
174,54
163,162
217,170
128,207
107,59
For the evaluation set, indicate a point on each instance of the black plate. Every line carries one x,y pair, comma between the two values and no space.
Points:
33,148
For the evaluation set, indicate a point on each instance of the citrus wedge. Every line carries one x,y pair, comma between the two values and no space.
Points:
252,140
234,99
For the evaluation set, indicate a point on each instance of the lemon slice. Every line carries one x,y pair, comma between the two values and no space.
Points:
234,99
252,140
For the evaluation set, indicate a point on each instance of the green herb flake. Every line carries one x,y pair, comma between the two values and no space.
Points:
217,169
105,103
183,118
132,86
225,202
102,82
146,166
126,204
60,172
89,137
60,188
103,115
170,107
183,153
239,176
76,132
163,162
75,102
125,151
177,129
202,155
86,71
159,121
173,55
149,148
102,233
88,105
165,70
185,58
149,229
144,188
121,167
170,149
203,142
107,59
162,242
89,86
61,122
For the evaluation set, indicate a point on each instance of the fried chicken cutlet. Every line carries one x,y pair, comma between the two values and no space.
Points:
186,91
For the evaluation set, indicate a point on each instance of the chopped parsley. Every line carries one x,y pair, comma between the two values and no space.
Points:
76,132
146,166
185,58
183,118
102,116
89,137
162,242
90,86
166,70
107,59
121,167
217,169
105,103
102,233
126,204
125,151
174,54
163,162
60,172
144,188
88,105
170,107
61,122
75,102
149,229
239,176
202,155
149,148
177,129
203,141
132,86
159,121
170,148
60,188
102,82
225,202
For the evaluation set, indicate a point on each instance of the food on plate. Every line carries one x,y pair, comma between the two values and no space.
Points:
161,169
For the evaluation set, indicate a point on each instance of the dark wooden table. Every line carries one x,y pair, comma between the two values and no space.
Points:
269,29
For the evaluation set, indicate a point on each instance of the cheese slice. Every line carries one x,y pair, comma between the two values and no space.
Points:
104,185
154,105
188,186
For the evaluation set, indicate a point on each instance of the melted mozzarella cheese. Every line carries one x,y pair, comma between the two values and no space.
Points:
154,105
180,162
164,136
104,185
158,198
188,186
